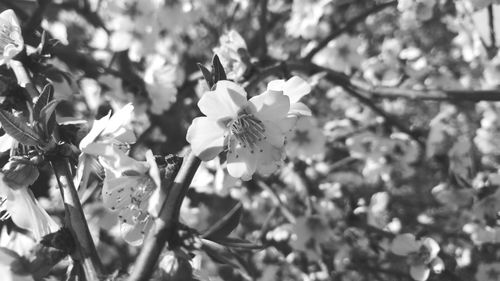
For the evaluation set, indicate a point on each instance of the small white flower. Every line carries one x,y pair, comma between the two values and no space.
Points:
295,88
341,54
232,46
11,39
127,188
162,80
252,131
24,210
422,255
109,130
306,140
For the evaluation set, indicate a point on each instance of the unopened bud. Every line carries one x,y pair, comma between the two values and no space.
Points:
20,172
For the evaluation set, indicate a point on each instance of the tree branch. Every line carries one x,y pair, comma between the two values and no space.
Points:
491,22
263,28
344,80
86,252
347,26
390,119
165,225
340,79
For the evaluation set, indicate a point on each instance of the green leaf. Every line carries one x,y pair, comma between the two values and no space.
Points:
45,97
206,74
48,117
19,130
218,72
225,225
233,242
222,254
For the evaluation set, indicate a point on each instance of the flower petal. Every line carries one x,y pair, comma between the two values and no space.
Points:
6,142
431,245
404,244
274,133
270,158
240,162
224,102
117,192
115,160
114,126
270,106
295,88
134,226
97,128
299,109
437,265
419,272
25,211
206,137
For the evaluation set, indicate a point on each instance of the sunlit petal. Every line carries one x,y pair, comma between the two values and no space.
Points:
270,106
206,137
224,102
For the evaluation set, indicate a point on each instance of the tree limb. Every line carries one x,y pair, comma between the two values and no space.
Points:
165,225
347,26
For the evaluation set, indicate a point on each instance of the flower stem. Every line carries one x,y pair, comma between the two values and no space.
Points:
85,251
165,224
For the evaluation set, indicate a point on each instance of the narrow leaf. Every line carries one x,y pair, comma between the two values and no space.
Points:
233,242
206,74
225,225
19,130
218,72
48,118
45,97
222,254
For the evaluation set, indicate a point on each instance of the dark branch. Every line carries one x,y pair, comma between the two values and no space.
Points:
347,26
491,21
166,223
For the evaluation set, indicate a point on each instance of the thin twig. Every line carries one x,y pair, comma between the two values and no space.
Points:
263,28
390,119
277,201
75,219
491,21
347,26
86,252
165,225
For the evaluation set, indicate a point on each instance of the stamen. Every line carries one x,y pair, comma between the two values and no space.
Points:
248,130
5,214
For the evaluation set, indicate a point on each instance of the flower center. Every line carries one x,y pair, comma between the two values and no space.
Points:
248,130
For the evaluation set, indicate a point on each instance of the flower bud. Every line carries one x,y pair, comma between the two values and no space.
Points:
20,172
